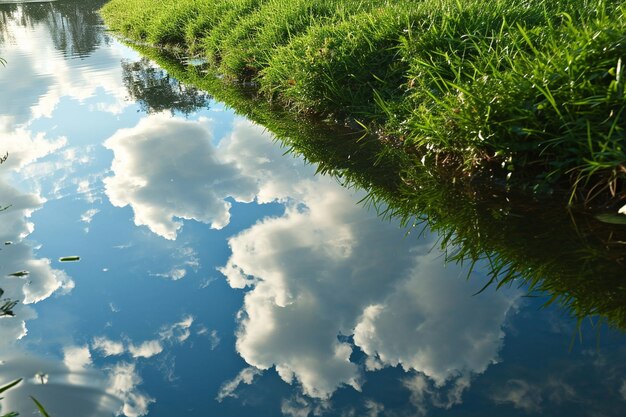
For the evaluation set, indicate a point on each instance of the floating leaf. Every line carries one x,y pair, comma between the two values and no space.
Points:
69,259
19,274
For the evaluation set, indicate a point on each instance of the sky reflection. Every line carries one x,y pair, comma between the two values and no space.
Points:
219,276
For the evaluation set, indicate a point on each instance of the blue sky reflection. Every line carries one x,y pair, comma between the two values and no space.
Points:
221,277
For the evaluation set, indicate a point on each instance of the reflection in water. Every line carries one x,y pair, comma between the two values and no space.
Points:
572,257
163,177
40,282
155,90
74,26
356,318
326,267
67,388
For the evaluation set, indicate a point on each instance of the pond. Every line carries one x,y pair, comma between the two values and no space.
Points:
221,275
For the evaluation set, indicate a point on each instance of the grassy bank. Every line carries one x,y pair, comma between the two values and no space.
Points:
530,92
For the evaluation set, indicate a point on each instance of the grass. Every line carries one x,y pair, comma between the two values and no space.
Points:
39,406
526,92
567,255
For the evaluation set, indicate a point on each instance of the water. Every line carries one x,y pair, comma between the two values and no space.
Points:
218,276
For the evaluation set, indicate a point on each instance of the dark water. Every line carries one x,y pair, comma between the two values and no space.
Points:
220,277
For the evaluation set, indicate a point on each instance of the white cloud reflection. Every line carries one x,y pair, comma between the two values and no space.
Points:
245,376
146,349
107,347
329,267
326,267
40,280
166,169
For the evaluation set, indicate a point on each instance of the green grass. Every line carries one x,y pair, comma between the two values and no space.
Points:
527,92
39,406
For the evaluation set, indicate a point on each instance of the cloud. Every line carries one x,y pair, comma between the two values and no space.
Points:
146,349
177,332
190,182
245,376
423,323
213,336
298,406
374,409
424,392
329,267
521,395
123,382
174,274
41,280
25,147
334,268
77,358
184,259
87,216
107,347
251,149
215,339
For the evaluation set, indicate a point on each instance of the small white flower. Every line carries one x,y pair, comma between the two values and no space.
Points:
622,210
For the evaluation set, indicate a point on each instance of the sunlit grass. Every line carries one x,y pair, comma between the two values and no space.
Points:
534,87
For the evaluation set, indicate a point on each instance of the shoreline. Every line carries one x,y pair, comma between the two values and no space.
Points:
527,93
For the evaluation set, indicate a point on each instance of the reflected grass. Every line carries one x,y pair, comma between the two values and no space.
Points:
39,406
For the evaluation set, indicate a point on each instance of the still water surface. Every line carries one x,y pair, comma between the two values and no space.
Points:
220,277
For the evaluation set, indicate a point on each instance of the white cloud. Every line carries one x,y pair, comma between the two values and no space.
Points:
174,274
177,332
167,169
215,339
424,392
77,358
279,177
374,409
295,407
298,406
329,266
123,382
184,260
146,349
521,395
87,216
335,268
107,347
25,147
245,376
41,281
423,323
